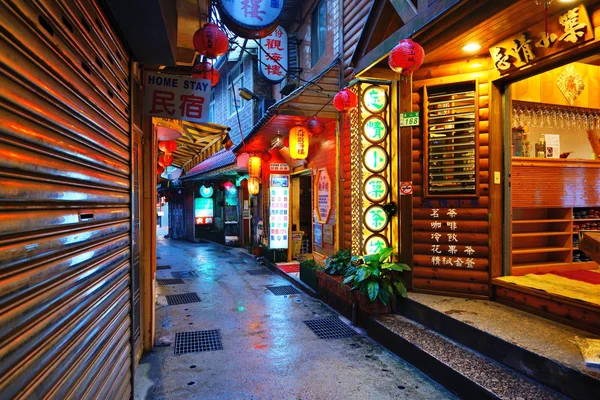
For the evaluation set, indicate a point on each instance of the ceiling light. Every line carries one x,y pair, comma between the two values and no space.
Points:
471,47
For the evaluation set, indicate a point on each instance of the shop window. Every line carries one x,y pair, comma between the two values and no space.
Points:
235,81
451,153
318,31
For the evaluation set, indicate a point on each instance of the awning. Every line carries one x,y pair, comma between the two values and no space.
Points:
223,158
313,97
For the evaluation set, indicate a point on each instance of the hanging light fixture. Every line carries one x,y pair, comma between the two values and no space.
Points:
315,126
210,41
406,57
205,70
254,166
165,160
345,100
253,185
299,142
167,146
228,185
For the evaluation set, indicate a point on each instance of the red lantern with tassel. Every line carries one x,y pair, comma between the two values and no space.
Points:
205,70
315,126
210,41
406,57
165,160
266,156
167,146
345,100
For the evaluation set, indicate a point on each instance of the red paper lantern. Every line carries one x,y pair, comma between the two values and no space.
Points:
165,160
254,166
299,143
266,156
205,70
345,100
210,41
315,126
244,183
159,169
228,185
167,146
406,57
253,185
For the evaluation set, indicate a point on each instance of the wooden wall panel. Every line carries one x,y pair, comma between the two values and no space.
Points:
355,16
346,165
451,235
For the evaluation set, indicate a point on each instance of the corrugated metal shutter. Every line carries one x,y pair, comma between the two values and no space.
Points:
65,221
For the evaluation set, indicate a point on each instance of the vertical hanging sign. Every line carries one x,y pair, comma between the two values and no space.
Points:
273,55
279,192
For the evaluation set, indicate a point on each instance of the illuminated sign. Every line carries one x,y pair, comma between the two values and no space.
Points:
375,129
375,99
251,19
375,218
206,191
279,192
375,159
376,188
203,211
273,55
374,243
323,201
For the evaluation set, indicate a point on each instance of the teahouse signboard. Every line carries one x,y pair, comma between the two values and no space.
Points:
273,55
565,30
251,19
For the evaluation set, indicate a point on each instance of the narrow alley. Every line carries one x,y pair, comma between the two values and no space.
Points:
263,347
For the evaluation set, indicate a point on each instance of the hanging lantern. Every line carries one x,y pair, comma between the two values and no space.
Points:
345,100
406,57
210,41
253,185
299,142
244,183
167,146
254,166
228,185
315,126
205,70
165,160
266,156
159,169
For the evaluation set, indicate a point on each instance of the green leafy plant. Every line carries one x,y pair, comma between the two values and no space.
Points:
310,263
338,263
374,276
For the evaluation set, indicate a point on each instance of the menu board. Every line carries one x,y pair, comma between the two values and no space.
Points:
446,249
279,190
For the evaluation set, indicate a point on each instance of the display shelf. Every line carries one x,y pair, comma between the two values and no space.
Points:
585,219
537,234
537,221
548,249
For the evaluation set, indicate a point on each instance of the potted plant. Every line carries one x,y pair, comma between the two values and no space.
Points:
376,279
308,273
331,277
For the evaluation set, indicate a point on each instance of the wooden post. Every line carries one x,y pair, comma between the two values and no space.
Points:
497,180
406,205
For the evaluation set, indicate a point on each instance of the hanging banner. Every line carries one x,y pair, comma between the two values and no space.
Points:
176,97
273,55
250,19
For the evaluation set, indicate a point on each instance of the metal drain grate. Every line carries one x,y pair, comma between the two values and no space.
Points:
283,290
192,342
261,271
184,274
330,328
160,267
184,298
165,282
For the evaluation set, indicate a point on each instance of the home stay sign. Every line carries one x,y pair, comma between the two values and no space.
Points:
273,55
176,97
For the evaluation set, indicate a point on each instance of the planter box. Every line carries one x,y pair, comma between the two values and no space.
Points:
309,276
375,308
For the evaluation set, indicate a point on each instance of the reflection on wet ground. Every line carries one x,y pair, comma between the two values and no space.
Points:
268,352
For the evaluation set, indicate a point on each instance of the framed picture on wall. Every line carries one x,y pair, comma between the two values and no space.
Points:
318,232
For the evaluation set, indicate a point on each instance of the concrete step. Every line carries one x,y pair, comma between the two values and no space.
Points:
562,378
462,371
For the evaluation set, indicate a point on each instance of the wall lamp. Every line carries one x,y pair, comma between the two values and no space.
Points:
248,95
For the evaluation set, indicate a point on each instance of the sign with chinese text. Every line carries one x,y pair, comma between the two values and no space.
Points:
318,232
376,188
250,19
566,29
323,192
176,97
374,243
328,234
203,211
279,167
375,159
409,119
375,129
273,55
206,191
279,193
376,219
375,99
446,238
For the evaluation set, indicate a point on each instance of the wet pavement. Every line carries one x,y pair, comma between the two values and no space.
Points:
268,352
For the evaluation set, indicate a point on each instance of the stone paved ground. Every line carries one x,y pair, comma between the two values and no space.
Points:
268,352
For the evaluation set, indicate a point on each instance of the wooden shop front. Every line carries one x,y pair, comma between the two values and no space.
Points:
495,211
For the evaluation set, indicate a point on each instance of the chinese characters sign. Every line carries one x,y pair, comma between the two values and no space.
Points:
375,129
375,159
445,239
273,55
376,188
323,192
375,99
564,30
279,211
250,18
279,167
176,97
376,219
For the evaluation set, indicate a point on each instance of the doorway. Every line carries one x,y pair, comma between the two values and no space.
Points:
302,224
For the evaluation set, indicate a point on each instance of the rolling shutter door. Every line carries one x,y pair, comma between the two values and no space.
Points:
65,224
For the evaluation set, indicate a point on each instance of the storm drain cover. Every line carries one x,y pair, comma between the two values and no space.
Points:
329,328
283,290
159,267
192,342
184,298
184,274
165,282
261,271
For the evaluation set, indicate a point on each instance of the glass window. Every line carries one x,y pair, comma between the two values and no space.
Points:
318,31
235,81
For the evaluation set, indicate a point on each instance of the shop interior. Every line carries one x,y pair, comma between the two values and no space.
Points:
555,191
